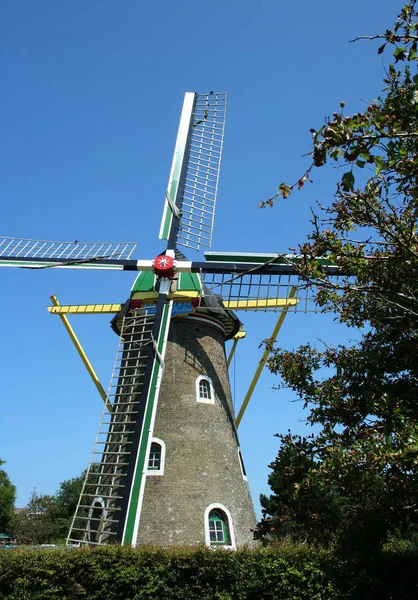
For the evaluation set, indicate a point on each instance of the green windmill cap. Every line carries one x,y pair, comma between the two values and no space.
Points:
145,282
187,282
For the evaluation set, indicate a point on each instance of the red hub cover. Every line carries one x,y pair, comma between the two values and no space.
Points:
164,266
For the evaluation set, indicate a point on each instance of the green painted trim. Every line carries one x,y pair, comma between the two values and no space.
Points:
189,282
145,282
145,435
218,518
173,188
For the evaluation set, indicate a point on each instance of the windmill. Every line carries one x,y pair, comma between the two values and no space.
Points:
166,468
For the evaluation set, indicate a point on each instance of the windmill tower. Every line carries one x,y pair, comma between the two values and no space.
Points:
166,468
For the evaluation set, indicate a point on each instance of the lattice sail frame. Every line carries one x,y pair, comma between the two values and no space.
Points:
260,282
202,176
262,292
194,176
20,248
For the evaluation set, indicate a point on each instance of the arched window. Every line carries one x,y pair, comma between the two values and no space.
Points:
96,520
156,457
218,527
204,390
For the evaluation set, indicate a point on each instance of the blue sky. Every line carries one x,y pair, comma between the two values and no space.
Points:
89,109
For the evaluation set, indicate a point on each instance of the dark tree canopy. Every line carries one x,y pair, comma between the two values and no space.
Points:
355,483
7,500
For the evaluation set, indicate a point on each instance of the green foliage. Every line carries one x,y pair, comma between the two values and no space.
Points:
46,519
285,573
40,522
68,494
355,484
7,500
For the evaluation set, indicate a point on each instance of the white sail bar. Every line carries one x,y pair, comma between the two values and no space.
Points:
43,250
202,176
194,175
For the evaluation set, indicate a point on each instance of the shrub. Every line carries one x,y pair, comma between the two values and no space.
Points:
281,572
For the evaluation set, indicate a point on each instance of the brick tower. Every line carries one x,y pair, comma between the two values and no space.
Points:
196,489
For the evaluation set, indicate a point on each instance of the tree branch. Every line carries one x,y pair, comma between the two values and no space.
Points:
382,36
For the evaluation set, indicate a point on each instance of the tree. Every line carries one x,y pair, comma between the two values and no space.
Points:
7,500
68,494
39,522
46,519
357,479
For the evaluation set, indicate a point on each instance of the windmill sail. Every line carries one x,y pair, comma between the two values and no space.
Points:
264,292
263,282
20,252
194,176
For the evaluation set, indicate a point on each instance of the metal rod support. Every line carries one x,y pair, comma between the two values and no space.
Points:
231,354
83,356
264,358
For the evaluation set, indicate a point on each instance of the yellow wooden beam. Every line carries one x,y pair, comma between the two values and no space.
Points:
240,335
260,303
265,356
94,309
84,309
82,354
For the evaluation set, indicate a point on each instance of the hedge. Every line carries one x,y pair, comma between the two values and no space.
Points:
284,572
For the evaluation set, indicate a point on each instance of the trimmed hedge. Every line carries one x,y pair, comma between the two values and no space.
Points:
285,573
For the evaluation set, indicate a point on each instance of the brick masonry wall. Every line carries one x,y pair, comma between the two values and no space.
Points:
202,464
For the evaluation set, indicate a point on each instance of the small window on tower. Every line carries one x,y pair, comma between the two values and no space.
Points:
154,460
156,457
218,528
204,390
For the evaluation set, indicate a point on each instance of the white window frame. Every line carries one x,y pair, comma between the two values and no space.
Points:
159,471
221,507
210,400
241,465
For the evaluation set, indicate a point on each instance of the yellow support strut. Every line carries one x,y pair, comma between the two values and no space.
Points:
264,357
91,309
84,309
83,355
238,336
